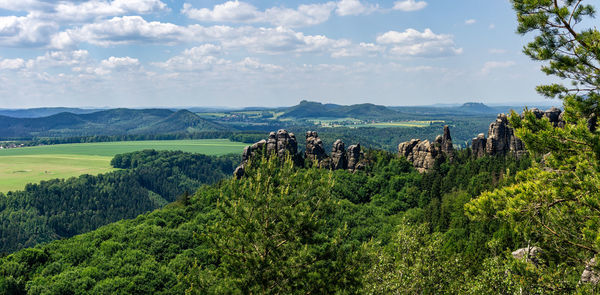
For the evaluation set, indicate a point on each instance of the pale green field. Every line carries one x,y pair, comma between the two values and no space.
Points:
398,124
20,166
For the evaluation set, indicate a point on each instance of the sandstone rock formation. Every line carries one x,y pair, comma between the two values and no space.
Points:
284,143
424,154
501,138
280,144
478,145
314,147
339,159
354,155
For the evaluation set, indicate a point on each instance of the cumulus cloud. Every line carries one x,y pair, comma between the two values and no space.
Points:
493,65
12,64
93,9
25,31
409,5
423,44
354,7
195,59
242,12
470,21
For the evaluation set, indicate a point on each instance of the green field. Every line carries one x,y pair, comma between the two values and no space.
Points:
402,124
20,166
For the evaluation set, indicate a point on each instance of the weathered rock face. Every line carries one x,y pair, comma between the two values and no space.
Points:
314,147
283,143
339,160
478,145
553,115
590,274
529,254
286,143
354,155
447,147
424,154
501,138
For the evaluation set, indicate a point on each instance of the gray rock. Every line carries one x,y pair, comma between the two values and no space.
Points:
553,115
590,274
354,155
339,160
280,144
478,145
286,144
501,138
529,254
424,154
314,147
447,147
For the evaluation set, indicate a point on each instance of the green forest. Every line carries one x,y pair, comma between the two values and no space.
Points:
501,224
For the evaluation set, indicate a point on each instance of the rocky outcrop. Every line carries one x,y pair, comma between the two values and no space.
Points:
478,145
280,144
529,254
284,143
314,147
447,147
590,274
355,156
424,154
339,159
501,139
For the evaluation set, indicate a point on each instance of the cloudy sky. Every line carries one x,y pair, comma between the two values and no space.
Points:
140,53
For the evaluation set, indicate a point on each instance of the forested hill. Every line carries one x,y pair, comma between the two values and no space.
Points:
312,229
108,122
61,208
43,112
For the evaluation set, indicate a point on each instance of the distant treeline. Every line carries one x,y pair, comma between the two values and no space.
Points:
62,208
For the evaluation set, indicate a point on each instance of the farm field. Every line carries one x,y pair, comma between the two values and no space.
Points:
20,166
398,124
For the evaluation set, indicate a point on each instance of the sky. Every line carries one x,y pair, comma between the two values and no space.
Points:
189,53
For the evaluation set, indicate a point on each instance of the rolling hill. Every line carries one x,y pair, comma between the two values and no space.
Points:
309,109
108,122
43,112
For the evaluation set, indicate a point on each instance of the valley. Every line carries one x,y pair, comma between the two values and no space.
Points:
20,166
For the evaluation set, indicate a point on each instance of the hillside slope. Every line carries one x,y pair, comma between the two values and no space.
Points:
108,122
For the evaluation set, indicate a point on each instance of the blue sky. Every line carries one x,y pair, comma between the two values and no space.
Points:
168,53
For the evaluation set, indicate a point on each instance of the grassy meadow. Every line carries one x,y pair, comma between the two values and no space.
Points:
20,166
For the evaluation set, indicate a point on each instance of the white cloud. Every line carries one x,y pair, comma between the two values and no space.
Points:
409,5
492,65
470,21
122,30
25,31
199,58
241,12
12,64
497,51
120,62
93,9
492,26
354,7
414,43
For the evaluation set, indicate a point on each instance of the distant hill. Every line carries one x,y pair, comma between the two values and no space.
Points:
108,122
476,107
309,109
43,112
